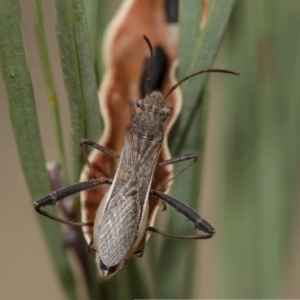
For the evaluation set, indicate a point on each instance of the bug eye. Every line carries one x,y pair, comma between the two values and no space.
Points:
139,103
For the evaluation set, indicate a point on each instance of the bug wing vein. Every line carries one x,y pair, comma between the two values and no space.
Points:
122,219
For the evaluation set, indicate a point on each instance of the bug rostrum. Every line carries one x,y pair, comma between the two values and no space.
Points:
121,225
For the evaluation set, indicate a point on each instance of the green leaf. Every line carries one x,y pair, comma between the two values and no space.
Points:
87,72
80,82
48,76
260,133
79,75
188,134
98,14
190,17
92,16
25,124
71,72
205,49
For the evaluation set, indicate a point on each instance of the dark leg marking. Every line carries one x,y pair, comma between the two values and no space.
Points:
62,193
189,213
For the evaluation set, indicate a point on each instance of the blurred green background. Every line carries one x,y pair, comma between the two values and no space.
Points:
258,251
250,173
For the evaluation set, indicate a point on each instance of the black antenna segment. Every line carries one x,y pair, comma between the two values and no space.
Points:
151,65
197,73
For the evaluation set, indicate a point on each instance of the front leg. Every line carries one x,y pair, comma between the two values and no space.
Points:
62,193
97,147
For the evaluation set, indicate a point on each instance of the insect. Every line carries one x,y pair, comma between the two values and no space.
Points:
121,223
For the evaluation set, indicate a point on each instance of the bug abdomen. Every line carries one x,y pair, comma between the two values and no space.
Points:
117,232
118,226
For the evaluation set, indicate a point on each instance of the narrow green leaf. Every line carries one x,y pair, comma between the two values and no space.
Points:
204,53
190,17
21,99
261,136
87,72
48,75
105,15
189,134
92,17
71,71
80,82
98,15
24,120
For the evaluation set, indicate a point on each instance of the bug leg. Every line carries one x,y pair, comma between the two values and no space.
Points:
91,247
189,213
99,147
174,160
140,252
180,237
96,146
180,158
164,206
62,193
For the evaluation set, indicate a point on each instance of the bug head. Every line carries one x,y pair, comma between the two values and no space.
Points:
154,104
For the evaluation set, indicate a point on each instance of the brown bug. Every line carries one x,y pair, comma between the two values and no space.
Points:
121,223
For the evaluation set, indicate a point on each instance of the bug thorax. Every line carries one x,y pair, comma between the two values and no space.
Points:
154,104
149,122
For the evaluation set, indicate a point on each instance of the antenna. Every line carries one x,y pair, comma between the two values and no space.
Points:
151,65
197,73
